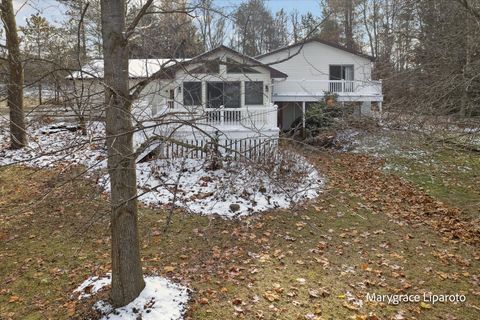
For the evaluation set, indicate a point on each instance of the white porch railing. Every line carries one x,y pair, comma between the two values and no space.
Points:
258,117
318,87
249,117
341,86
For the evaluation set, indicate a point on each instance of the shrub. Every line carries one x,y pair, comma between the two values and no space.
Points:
318,117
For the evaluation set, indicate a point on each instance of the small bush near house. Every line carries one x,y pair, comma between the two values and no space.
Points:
321,117
320,120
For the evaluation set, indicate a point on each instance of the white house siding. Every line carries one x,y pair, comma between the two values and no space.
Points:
313,61
263,75
244,137
255,123
93,96
308,70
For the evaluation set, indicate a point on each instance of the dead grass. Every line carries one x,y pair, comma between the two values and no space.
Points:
28,103
238,269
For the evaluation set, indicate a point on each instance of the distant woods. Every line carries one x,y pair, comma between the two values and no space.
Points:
427,52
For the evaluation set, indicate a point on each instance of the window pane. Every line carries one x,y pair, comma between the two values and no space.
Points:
253,92
348,72
225,94
208,67
335,72
214,94
232,94
212,67
192,93
238,67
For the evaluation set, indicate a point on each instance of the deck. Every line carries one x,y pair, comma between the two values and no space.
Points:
250,131
313,90
224,119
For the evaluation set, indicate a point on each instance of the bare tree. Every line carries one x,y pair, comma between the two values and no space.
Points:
256,29
211,24
15,84
127,276
348,17
296,27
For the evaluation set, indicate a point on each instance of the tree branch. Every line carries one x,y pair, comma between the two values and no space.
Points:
131,28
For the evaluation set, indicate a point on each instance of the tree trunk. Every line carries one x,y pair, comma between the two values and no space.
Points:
348,24
40,93
18,136
127,277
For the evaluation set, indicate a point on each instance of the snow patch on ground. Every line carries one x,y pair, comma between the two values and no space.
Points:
92,285
239,189
382,143
50,145
161,299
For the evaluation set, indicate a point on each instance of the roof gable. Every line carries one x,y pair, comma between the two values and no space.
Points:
144,68
245,61
327,43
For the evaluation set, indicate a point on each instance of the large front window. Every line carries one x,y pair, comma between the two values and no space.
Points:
192,93
226,94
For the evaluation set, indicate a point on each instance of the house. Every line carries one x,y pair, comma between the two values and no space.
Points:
225,95
315,67
86,85
237,103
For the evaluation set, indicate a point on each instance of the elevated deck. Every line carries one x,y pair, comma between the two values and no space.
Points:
314,90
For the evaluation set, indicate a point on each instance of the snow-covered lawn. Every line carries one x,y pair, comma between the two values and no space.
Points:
50,145
161,299
380,143
238,189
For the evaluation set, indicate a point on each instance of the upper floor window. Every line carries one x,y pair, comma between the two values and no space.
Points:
239,67
341,72
208,67
192,93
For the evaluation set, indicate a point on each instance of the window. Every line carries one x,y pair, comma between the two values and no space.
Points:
253,92
214,94
225,94
238,67
208,67
341,72
171,98
192,93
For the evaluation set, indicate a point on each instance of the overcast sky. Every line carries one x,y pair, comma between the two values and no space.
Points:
55,12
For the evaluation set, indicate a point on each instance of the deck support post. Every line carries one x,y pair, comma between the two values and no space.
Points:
304,133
